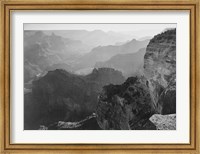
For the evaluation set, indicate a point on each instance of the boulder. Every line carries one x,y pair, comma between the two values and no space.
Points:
164,122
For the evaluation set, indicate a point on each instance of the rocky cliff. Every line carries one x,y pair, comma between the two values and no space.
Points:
160,71
126,106
130,105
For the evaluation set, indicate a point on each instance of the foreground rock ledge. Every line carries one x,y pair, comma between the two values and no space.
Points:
88,123
164,122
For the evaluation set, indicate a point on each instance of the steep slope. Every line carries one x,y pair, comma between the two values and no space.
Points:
61,96
104,53
160,70
129,64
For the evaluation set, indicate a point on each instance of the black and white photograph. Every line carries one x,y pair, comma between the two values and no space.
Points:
99,76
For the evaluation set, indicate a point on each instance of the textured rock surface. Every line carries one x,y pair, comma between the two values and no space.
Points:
164,122
126,106
160,70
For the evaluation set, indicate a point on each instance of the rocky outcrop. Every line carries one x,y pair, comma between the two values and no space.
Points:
89,123
105,76
160,70
62,96
126,106
164,122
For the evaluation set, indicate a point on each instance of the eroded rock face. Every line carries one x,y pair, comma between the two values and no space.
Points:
160,70
126,106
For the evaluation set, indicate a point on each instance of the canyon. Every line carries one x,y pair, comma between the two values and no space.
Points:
131,86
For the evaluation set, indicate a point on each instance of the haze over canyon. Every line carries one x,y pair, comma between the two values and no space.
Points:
98,80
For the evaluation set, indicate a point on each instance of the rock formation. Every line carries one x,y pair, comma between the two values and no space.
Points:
89,123
164,122
126,106
130,105
160,71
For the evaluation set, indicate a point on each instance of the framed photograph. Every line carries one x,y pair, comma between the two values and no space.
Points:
99,76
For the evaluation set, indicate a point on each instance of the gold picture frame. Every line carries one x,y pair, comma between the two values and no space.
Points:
8,6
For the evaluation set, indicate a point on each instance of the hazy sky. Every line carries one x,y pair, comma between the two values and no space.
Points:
104,27
139,29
